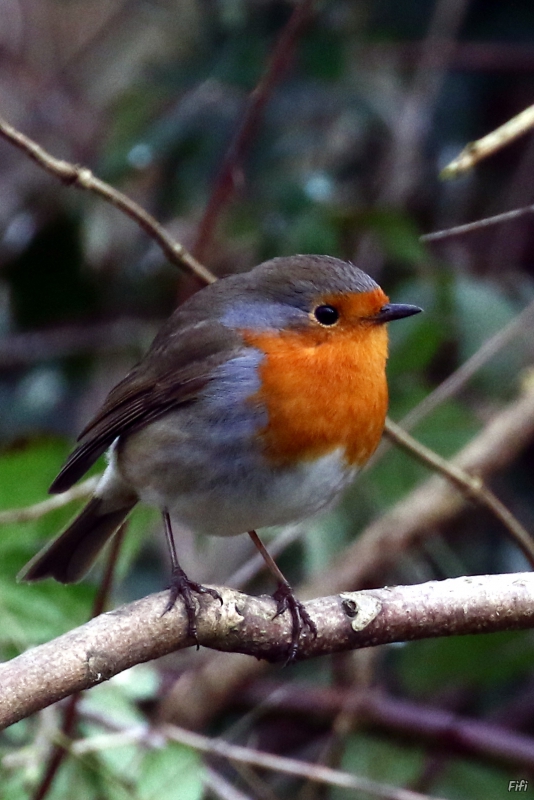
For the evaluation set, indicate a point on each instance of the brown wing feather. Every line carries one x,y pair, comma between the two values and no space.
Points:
173,373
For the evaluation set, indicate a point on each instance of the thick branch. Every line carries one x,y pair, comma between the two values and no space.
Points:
140,631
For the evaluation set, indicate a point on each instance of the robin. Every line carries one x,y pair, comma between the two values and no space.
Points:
257,403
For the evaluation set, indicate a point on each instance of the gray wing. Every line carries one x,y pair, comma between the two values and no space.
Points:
173,373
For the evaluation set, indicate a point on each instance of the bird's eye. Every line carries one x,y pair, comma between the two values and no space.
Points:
326,315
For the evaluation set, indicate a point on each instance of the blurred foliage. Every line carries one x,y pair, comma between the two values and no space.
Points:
148,95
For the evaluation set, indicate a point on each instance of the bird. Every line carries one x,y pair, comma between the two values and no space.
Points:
256,405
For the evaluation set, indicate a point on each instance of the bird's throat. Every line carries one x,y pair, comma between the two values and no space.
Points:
322,392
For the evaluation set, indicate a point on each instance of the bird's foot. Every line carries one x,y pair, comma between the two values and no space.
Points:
182,586
286,601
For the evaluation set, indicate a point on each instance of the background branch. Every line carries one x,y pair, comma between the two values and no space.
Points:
479,224
489,144
473,487
83,178
226,180
376,708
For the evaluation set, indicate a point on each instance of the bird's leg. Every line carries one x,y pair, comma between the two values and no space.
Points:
286,601
181,585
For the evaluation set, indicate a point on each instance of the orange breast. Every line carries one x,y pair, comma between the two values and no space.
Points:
325,388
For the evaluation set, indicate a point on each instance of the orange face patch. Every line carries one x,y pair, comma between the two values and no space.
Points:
325,387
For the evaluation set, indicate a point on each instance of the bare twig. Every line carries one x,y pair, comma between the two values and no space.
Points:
470,227
220,787
436,501
467,56
489,144
377,708
413,121
226,179
237,754
140,631
288,766
79,492
473,487
452,385
29,347
399,172
83,178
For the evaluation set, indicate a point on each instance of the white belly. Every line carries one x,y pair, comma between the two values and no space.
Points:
280,498
231,499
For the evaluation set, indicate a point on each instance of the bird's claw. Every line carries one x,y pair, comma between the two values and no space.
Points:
286,601
182,586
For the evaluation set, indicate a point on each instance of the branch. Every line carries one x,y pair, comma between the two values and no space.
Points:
489,144
375,708
225,181
518,326
436,501
469,227
472,486
125,733
30,347
83,178
80,491
316,773
140,631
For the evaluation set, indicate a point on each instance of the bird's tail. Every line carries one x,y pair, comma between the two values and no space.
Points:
71,555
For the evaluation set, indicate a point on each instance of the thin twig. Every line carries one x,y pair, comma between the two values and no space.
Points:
70,714
401,168
472,486
83,178
79,492
238,754
452,385
402,717
30,347
59,752
225,182
220,787
413,121
489,144
470,227
287,766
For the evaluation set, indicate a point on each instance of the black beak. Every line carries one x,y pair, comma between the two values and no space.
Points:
393,311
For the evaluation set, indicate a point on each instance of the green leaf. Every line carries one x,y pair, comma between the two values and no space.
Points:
377,758
173,772
397,234
484,660
462,778
482,310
